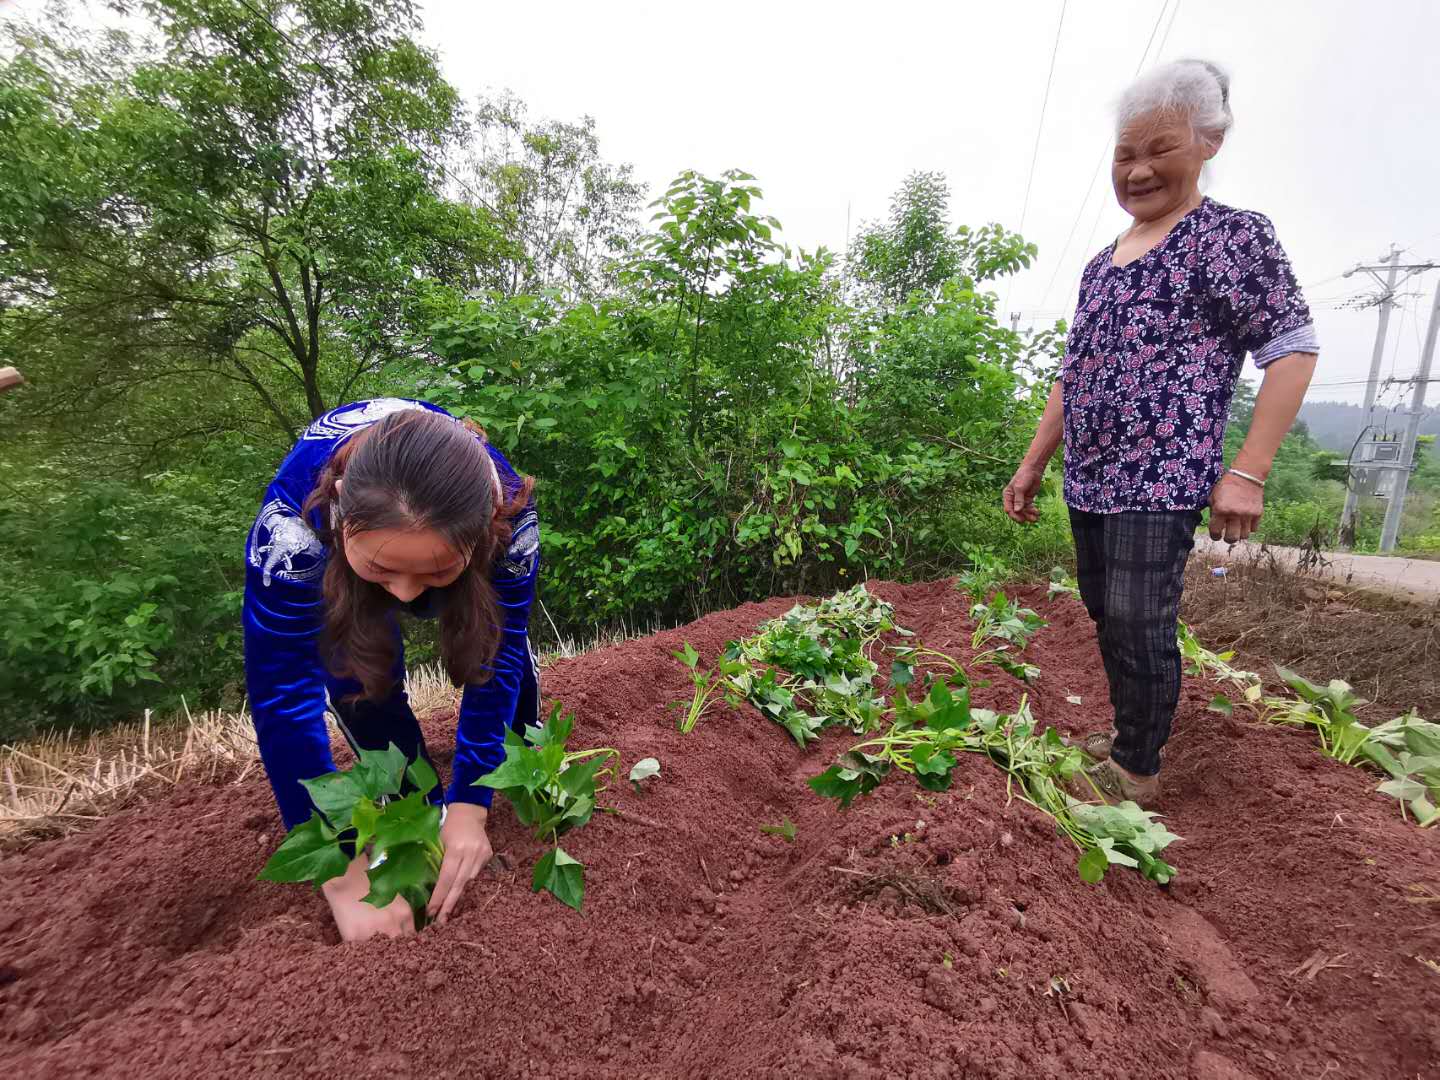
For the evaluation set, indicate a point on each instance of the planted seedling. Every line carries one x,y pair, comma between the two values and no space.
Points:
1200,661
553,791
986,573
1406,748
1062,584
811,668
1415,774
358,808
1330,709
706,684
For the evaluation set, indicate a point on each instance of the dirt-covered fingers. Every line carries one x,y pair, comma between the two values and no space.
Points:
466,874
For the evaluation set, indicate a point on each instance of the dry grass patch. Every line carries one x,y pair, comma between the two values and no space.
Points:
1388,649
59,782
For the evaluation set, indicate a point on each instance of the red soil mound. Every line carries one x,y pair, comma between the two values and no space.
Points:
872,946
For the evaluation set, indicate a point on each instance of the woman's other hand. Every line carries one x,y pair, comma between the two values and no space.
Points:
467,850
1020,494
1236,505
357,920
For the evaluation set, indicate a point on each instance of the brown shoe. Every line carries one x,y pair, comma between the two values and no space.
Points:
1096,744
1107,782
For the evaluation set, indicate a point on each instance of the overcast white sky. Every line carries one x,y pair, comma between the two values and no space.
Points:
829,105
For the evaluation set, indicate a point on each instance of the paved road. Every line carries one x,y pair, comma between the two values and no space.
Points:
1414,579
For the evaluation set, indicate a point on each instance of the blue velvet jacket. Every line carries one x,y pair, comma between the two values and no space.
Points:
287,682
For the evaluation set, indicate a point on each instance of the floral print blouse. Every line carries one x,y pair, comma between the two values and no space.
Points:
1154,352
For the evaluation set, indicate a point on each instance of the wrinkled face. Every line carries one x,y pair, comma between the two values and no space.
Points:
404,562
1157,165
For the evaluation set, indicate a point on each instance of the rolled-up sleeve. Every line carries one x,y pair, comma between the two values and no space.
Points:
1259,298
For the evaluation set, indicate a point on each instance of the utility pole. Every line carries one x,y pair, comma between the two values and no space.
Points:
1391,264
1390,532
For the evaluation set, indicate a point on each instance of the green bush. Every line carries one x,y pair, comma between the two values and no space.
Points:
120,595
729,427
1296,523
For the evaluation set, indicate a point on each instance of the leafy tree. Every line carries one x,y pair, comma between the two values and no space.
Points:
248,200
695,441
915,249
567,214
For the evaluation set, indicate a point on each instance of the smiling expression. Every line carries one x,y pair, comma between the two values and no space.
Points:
1157,166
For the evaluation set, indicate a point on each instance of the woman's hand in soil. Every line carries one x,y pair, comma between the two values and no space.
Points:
1236,505
467,850
1020,494
357,920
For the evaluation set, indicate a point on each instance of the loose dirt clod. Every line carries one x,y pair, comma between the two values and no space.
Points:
676,969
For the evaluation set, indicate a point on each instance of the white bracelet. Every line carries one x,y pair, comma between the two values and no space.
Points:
1247,476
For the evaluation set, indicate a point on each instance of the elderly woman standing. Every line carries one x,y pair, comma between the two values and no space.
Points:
1165,317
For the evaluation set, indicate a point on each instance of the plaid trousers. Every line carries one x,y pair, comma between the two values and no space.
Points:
1131,571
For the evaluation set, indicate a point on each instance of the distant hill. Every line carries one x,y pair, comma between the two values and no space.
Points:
1334,424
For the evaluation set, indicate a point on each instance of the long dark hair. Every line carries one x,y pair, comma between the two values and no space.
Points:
413,470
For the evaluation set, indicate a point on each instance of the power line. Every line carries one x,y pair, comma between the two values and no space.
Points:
1039,130
1040,127
1100,208
1399,332
1095,174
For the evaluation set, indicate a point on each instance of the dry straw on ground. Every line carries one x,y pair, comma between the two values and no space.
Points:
1319,624
62,781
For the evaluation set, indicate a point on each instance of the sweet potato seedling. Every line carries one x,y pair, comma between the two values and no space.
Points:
358,808
1406,748
706,684
785,830
926,735
1005,620
1062,583
552,791
811,668
643,770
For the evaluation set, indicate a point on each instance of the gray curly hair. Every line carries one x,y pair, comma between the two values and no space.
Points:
1196,89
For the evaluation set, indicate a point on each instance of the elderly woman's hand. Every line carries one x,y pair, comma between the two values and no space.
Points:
1236,505
1020,494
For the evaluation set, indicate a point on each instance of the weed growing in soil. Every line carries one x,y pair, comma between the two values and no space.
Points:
924,738
811,667
553,791
785,830
359,808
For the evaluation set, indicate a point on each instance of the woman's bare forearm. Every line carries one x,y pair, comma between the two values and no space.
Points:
1049,432
1276,406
